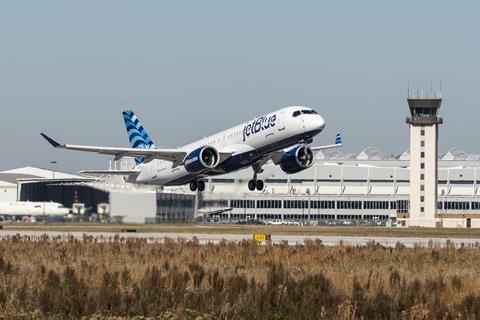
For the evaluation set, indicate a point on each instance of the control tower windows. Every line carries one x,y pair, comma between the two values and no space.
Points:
424,112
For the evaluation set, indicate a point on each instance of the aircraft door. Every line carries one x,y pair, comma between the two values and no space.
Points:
281,121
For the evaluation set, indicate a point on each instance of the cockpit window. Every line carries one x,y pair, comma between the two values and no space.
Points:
306,111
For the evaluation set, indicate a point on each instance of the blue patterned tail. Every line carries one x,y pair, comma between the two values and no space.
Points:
139,138
338,138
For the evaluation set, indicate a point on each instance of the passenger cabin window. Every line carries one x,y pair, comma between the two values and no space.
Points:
296,114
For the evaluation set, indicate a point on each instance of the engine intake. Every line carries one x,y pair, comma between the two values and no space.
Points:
201,159
297,159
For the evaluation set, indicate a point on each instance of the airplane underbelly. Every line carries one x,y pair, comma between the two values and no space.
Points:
162,174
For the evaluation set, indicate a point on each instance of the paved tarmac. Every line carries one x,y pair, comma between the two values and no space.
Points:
216,238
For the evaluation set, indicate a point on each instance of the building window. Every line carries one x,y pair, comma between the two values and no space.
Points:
422,165
422,154
422,143
422,209
402,206
422,199
422,177
422,132
422,187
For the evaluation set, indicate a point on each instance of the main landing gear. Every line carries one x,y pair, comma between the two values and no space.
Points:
256,183
197,185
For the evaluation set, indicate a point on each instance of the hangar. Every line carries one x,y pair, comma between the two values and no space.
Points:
85,195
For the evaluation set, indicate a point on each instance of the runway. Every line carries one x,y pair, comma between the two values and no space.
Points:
204,238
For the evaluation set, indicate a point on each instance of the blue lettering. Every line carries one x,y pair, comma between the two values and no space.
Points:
272,120
266,123
258,125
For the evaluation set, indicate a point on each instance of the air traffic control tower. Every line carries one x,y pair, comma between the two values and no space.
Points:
423,123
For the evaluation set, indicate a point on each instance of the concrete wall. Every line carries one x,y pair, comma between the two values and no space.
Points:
133,206
8,192
460,223
422,213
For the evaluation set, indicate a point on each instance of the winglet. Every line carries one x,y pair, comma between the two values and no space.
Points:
338,139
54,143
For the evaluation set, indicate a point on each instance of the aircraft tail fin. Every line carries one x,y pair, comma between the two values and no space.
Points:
137,135
338,138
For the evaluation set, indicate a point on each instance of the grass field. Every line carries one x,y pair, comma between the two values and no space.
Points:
130,278
242,229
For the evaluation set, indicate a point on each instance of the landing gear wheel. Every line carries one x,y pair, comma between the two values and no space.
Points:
259,185
201,185
193,186
252,184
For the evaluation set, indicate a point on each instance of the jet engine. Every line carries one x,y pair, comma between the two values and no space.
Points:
297,159
201,159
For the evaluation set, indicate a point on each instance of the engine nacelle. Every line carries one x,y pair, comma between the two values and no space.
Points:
297,159
201,159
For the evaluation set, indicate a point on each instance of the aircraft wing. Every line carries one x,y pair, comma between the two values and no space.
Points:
173,155
338,143
110,172
214,210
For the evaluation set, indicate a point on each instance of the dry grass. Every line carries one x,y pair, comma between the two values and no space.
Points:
51,278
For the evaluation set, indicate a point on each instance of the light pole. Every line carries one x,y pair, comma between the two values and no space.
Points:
53,162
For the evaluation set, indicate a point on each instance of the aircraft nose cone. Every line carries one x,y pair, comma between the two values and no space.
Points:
320,123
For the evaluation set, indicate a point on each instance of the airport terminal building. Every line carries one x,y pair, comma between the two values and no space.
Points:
365,188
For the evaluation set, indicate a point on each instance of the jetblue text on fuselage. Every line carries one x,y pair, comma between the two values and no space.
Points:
258,125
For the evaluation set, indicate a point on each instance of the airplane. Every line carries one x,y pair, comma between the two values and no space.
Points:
32,209
283,136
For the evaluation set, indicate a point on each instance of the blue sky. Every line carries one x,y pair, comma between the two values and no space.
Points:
191,68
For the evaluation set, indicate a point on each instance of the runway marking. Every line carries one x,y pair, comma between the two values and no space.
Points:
217,238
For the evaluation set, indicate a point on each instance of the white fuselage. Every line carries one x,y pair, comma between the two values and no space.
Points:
248,142
27,208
